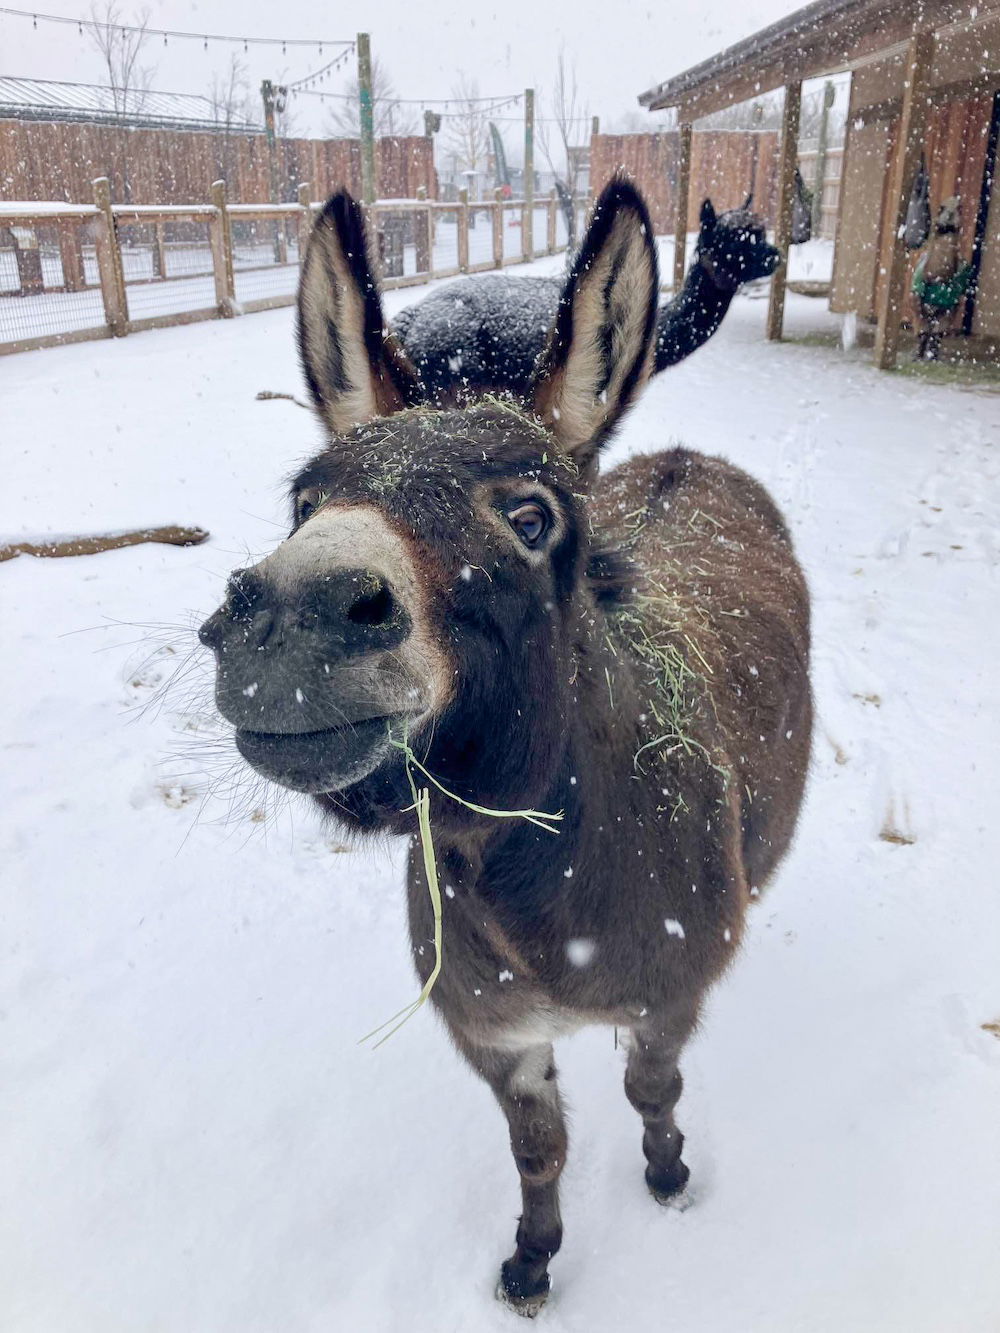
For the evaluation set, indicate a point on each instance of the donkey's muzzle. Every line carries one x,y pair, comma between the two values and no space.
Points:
308,673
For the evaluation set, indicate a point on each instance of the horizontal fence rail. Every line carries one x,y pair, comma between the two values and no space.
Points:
72,272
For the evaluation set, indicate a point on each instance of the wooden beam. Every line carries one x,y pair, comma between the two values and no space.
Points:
112,541
683,195
109,262
787,160
906,159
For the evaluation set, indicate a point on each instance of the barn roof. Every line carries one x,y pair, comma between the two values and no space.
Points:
46,99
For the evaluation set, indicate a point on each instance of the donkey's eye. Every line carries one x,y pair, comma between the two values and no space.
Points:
530,522
308,501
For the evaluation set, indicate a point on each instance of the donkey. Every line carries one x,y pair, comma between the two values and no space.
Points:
486,335
628,651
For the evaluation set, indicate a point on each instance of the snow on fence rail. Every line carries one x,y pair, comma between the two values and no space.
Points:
71,272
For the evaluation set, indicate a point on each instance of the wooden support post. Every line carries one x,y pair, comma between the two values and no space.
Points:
463,230
71,257
595,125
551,220
159,250
788,156
305,218
109,261
221,238
683,194
367,119
498,228
892,248
528,211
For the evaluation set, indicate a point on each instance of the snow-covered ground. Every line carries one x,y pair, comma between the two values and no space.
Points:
193,1139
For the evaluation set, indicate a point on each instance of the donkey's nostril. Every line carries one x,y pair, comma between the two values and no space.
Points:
374,606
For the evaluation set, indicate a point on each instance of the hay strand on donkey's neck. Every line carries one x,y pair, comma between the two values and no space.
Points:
422,806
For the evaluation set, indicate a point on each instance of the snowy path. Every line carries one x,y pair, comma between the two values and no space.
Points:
193,1140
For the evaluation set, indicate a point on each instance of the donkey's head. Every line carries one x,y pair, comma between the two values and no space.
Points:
733,246
434,577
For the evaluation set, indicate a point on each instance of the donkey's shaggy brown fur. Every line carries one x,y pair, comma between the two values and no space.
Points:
628,649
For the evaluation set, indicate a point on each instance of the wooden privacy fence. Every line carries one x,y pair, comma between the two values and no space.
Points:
725,166
42,160
73,272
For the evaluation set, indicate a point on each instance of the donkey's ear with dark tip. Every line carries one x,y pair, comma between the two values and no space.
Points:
706,218
745,206
354,368
599,351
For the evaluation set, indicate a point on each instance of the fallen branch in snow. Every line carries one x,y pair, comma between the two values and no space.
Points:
110,541
266,395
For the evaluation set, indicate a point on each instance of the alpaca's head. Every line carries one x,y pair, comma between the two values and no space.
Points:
733,246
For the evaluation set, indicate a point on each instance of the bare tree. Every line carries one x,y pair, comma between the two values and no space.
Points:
120,42
389,116
467,128
570,119
233,109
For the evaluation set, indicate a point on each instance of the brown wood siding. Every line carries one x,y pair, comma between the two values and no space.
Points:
48,161
723,166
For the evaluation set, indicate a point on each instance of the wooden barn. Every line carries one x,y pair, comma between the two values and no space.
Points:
925,84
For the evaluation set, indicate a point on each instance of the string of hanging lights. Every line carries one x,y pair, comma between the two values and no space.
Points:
320,43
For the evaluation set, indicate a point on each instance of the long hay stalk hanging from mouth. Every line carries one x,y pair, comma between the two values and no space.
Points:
422,807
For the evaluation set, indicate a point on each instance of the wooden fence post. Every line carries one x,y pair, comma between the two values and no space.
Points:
892,247
423,234
109,261
159,250
497,228
220,236
551,234
71,257
788,156
463,230
528,209
305,218
683,196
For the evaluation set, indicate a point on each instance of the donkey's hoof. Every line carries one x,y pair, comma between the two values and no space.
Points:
667,1187
517,1291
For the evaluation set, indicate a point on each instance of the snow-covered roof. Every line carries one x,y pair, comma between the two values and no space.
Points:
46,99
826,37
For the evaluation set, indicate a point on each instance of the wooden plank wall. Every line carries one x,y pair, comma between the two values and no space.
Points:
42,161
723,165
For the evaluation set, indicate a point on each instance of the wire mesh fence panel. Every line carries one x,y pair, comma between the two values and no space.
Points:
480,236
49,283
167,267
265,257
445,249
404,239
512,234
562,233
540,228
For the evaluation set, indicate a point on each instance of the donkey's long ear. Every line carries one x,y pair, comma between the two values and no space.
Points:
354,368
599,350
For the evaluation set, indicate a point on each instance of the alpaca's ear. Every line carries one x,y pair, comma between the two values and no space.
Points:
354,368
706,219
599,350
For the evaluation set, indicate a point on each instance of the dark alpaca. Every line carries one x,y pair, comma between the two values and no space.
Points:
485,336
630,650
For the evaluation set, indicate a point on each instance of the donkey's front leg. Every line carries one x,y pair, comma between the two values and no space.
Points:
653,1085
524,1082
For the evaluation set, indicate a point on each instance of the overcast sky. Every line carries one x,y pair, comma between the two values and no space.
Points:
620,47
